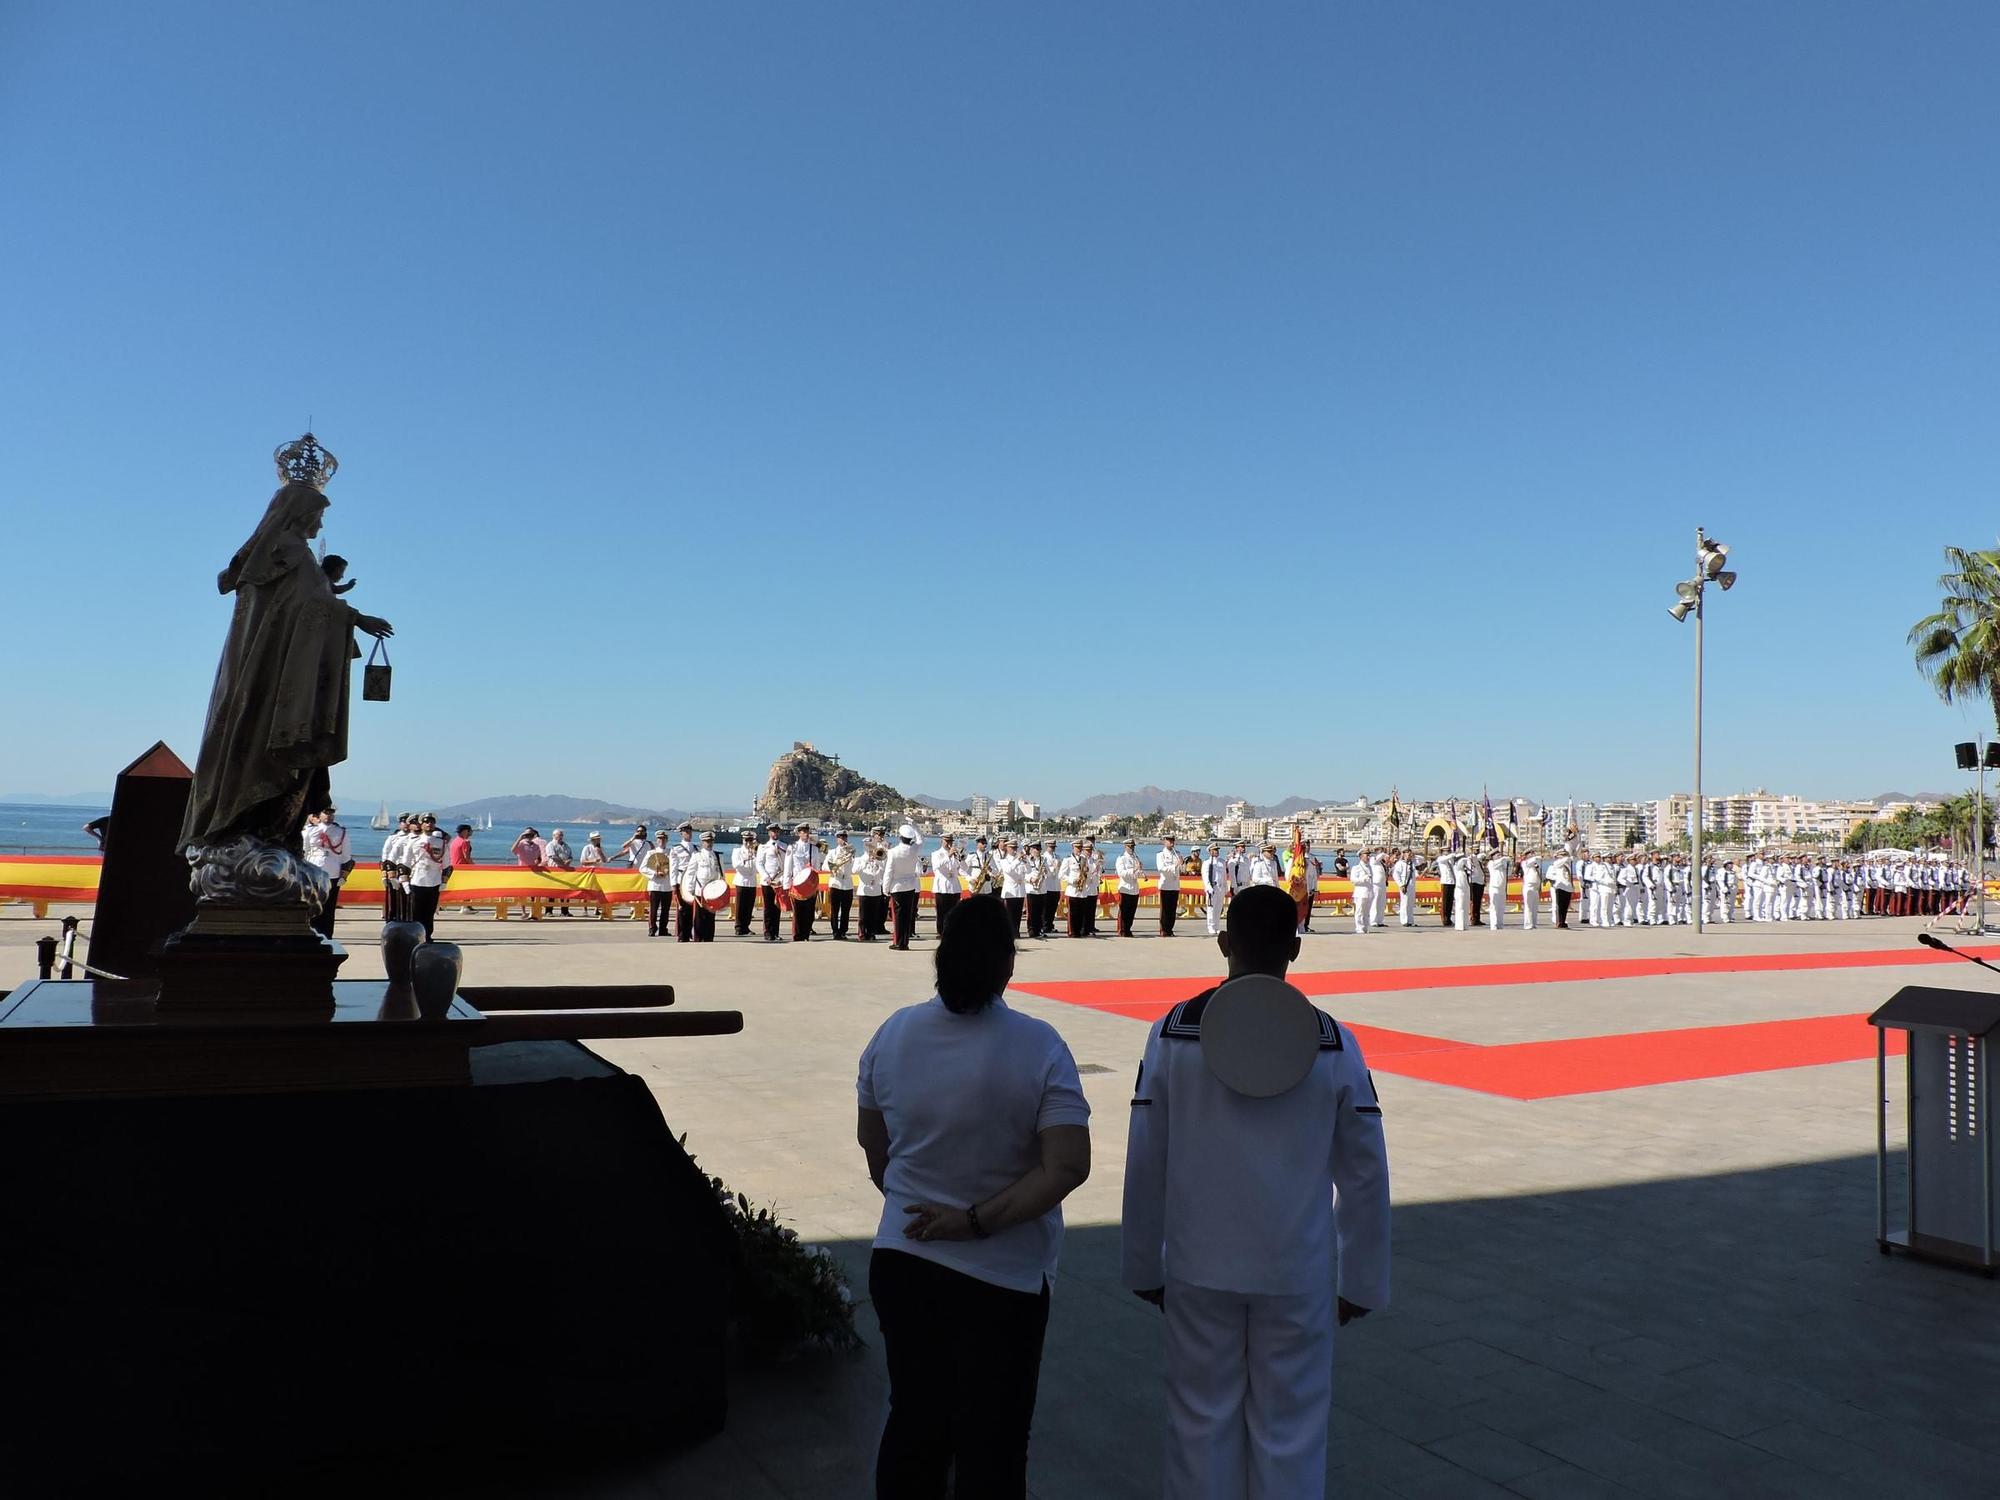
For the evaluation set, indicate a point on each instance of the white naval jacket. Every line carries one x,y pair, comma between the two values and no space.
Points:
945,867
1128,868
1247,1195
903,870
1168,863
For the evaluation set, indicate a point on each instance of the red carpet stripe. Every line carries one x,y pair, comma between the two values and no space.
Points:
1149,999
1600,1064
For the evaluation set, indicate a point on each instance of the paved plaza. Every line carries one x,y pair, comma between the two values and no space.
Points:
1651,1288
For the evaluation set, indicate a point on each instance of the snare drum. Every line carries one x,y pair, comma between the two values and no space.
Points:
715,895
807,887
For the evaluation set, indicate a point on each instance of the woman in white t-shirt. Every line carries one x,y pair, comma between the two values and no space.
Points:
975,1129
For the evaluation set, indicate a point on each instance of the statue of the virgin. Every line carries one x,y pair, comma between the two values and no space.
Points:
277,719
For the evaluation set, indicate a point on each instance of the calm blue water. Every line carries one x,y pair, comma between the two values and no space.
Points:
40,829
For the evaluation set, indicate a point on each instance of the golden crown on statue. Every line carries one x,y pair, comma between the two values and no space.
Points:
303,461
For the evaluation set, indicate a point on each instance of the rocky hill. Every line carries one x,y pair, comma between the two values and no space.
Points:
806,785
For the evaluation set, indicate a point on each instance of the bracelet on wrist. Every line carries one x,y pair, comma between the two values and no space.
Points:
972,1219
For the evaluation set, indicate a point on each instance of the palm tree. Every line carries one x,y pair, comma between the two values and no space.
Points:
1958,647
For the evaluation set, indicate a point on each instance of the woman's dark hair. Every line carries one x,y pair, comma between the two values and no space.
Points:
975,954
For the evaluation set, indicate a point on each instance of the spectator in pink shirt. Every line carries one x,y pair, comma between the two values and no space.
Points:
528,849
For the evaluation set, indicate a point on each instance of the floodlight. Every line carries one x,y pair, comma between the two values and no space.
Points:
1727,580
1680,611
1689,590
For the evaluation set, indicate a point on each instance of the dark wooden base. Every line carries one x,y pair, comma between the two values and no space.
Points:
86,1039
232,974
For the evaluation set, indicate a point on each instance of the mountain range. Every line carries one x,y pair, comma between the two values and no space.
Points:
1176,799
545,810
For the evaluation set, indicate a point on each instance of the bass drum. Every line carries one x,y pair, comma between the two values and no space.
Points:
807,887
715,895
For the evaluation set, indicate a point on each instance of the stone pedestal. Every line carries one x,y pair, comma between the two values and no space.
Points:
232,974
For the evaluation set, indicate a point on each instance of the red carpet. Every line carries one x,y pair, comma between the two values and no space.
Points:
1576,1065
1599,1064
1150,999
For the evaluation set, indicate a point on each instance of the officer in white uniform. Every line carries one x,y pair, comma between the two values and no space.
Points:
902,875
1378,878
1362,875
1404,873
1531,889
1216,885
1232,1209
1168,863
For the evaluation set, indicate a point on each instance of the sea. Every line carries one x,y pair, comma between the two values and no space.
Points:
46,828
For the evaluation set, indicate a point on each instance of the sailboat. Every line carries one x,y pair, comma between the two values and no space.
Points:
381,818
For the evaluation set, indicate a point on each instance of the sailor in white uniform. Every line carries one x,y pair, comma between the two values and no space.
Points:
1232,1208
1531,889
1404,873
1496,888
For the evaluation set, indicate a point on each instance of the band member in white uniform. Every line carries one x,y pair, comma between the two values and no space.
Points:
1378,885
1168,863
426,851
1448,901
1531,889
326,851
770,875
395,871
682,852
1016,874
1051,889
802,859
945,888
743,864
1079,893
1361,875
902,875
703,867
658,868
1127,870
870,870
839,885
1233,1208
1497,865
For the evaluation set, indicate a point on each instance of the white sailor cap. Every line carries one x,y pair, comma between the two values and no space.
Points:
907,831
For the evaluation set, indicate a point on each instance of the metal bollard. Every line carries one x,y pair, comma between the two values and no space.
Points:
45,957
68,946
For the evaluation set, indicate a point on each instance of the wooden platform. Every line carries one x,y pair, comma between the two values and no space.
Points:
89,1038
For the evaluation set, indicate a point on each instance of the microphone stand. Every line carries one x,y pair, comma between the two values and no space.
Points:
1929,941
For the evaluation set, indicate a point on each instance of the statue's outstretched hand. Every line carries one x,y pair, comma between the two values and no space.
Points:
375,625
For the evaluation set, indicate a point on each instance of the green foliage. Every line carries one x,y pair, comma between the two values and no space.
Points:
1910,828
1958,647
791,1295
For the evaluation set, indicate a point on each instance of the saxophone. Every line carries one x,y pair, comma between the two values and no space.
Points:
975,884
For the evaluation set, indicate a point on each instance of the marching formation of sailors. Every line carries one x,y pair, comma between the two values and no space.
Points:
1047,885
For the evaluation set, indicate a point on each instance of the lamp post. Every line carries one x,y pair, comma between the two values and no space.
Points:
1709,558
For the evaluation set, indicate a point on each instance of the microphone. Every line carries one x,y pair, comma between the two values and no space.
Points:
1929,940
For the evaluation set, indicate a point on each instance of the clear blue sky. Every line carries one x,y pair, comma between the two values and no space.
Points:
1036,399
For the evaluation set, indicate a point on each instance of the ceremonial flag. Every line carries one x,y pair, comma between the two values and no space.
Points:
1486,824
1395,812
1295,874
1513,819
